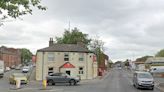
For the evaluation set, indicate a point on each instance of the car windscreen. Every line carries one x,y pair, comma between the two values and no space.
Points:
25,67
144,75
18,75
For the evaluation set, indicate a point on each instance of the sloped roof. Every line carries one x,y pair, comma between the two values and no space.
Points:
155,59
64,48
139,62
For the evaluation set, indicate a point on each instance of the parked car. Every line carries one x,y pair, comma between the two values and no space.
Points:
17,76
119,68
12,67
18,67
2,69
143,80
7,69
25,69
54,78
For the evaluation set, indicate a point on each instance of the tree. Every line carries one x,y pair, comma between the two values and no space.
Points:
126,63
17,8
26,55
73,37
160,53
110,64
97,46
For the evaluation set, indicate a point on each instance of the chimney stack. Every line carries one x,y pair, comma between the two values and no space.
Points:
51,42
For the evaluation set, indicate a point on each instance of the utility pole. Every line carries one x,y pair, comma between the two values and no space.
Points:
69,26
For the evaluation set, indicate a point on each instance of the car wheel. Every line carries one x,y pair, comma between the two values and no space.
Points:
137,86
50,82
72,82
152,88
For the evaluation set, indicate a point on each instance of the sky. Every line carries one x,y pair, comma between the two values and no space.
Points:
129,28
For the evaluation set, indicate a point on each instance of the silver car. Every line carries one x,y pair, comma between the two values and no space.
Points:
54,78
143,80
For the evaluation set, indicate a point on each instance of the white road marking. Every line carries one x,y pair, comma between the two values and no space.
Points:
54,90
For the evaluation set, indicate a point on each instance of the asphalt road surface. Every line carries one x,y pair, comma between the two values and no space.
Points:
116,81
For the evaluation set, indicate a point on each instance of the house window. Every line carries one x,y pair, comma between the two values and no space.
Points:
81,70
66,57
51,57
81,56
50,70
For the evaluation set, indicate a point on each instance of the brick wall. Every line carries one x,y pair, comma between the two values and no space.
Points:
10,56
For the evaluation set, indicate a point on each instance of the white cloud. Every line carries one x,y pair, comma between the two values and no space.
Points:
129,28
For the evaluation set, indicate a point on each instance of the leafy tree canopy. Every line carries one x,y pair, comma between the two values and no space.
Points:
17,8
73,37
160,53
26,55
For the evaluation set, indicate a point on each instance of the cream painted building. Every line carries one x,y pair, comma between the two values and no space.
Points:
154,61
72,59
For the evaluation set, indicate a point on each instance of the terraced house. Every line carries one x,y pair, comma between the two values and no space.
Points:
73,59
10,56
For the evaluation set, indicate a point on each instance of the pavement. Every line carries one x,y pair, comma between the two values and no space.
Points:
97,79
159,83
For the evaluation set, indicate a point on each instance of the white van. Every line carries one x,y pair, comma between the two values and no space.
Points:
157,69
1,68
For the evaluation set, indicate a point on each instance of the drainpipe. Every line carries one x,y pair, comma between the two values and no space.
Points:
86,65
43,65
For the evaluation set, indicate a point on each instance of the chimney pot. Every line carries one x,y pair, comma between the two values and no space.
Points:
51,42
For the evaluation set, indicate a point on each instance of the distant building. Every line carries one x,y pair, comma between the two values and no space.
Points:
34,59
140,65
132,65
10,56
103,64
154,61
73,59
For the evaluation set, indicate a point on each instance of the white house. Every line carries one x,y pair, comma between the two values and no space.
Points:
73,59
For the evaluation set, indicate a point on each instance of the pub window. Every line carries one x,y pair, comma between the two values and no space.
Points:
81,70
51,57
66,57
81,56
50,70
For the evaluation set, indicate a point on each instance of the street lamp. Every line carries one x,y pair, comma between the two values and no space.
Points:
44,82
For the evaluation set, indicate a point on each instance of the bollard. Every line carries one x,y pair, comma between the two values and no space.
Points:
44,83
18,83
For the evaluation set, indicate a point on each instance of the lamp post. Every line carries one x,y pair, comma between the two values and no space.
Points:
44,83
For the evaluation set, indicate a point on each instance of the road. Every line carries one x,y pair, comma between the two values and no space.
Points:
4,82
115,81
